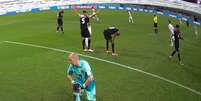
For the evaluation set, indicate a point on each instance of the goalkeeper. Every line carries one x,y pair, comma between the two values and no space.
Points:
81,77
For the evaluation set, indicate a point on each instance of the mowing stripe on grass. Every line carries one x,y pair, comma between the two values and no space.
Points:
115,63
1,42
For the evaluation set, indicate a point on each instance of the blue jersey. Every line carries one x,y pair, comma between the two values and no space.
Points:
81,73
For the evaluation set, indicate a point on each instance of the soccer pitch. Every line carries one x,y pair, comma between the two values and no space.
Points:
33,58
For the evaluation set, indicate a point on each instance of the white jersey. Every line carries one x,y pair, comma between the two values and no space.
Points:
129,13
93,12
130,18
171,28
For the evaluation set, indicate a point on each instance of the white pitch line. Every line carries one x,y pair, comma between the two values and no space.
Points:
115,63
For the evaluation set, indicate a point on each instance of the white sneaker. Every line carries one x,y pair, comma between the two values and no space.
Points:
170,57
114,54
171,45
181,63
107,51
90,50
85,50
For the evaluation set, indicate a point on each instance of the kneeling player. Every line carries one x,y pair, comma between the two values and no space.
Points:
80,74
110,35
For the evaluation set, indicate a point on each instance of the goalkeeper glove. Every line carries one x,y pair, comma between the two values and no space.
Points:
84,86
72,81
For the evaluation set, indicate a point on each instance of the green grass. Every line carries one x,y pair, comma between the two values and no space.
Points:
35,74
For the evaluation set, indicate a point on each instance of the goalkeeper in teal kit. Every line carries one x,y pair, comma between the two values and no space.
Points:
81,77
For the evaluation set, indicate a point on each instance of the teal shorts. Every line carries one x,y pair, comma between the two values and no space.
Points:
91,95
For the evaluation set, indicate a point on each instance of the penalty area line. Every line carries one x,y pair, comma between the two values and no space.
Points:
107,61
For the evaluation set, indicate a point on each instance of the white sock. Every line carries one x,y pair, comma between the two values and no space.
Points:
86,42
89,28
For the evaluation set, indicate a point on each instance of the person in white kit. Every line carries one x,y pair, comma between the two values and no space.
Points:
130,17
95,16
171,30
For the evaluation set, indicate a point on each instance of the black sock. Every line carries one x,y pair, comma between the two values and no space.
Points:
113,48
62,29
173,53
83,43
89,43
179,57
107,45
57,28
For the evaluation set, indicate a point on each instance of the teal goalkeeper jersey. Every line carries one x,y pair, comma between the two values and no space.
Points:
81,73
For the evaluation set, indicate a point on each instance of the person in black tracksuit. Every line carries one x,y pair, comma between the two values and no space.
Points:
177,36
110,35
60,15
85,32
84,23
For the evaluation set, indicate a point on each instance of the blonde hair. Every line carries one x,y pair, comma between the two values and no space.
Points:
74,56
